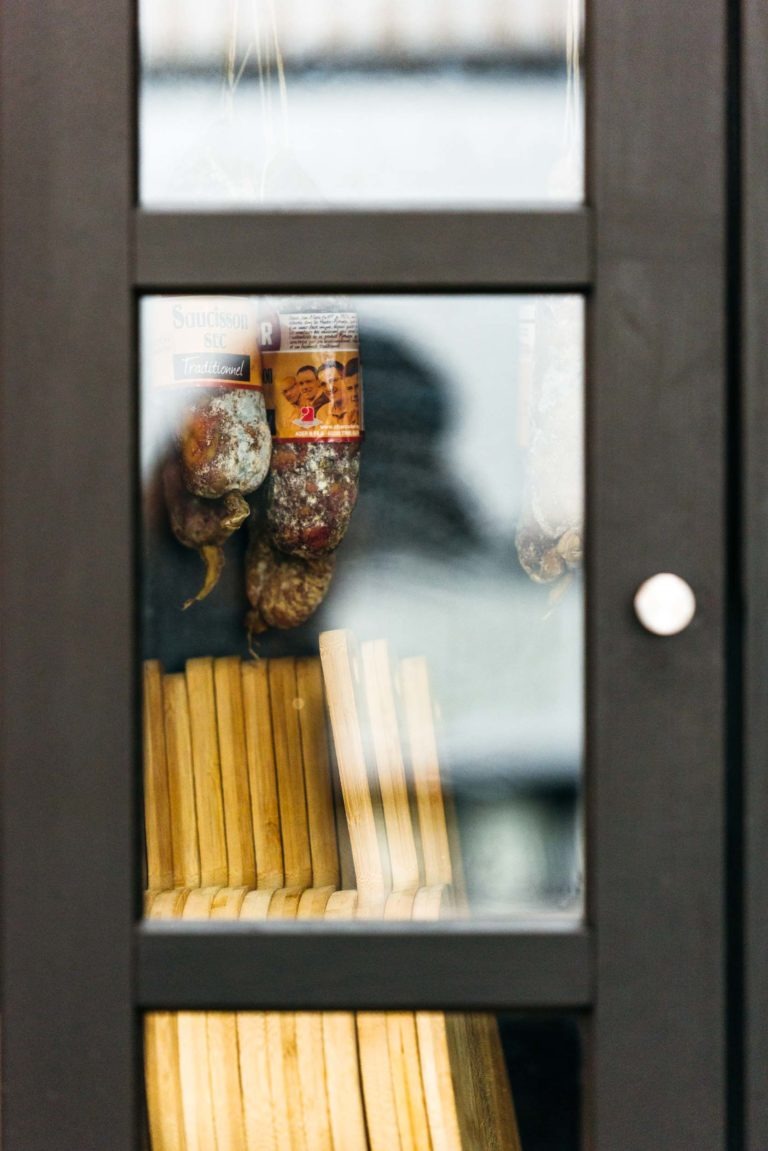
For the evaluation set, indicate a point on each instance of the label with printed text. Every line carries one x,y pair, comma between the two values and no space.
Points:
312,377
203,341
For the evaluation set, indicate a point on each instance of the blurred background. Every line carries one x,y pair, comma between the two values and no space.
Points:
197,31
360,102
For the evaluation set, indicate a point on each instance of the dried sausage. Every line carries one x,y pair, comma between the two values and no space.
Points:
283,591
311,495
226,444
310,353
201,524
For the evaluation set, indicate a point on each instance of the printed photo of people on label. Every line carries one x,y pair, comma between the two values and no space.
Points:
317,395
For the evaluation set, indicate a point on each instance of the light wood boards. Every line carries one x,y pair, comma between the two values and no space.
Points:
385,737
283,697
484,1103
157,803
401,1038
310,700
404,1057
371,873
181,787
425,767
197,1097
310,1049
282,1050
223,1047
209,804
242,788
466,1086
345,1098
255,1069
262,774
387,1044
435,1050
241,856
161,1051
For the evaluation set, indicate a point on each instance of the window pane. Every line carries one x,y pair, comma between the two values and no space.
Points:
364,654
373,1080
360,102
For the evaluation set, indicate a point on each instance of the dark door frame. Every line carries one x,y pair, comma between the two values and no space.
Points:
650,252
751,874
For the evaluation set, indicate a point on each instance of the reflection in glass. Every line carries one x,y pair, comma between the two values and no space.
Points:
371,1080
360,102
409,733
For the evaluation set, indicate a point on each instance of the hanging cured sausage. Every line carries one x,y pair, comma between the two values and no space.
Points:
310,351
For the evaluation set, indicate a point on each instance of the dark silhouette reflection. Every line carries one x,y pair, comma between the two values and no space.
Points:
408,503
409,500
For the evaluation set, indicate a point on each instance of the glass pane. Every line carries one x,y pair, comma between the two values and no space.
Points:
364,654
372,1080
360,102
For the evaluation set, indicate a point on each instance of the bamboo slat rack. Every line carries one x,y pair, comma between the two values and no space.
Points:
308,788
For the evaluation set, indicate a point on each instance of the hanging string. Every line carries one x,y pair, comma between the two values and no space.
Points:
231,60
283,87
232,78
263,68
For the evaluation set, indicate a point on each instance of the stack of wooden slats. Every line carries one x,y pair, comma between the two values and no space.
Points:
253,812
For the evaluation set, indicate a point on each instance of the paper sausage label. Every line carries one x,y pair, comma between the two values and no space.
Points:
202,341
312,378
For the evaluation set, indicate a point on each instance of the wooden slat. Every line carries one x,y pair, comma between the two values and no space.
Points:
438,1073
161,1051
209,798
344,844
425,767
265,809
385,736
157,803
317,773
289,1119
181,784
297,853
345,1091
241,859
255,1070
194,1066
476,1099
223,1048
310,1048
404,1058
372,875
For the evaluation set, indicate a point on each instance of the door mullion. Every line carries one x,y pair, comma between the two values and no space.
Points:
656,484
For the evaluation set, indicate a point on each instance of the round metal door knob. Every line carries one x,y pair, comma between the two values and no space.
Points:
665,604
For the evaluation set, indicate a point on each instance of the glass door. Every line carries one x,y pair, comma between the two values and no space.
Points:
349,469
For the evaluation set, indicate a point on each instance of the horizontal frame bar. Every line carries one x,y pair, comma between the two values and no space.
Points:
365,251
205,966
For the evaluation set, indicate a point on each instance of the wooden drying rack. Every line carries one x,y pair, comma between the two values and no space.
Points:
253,812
